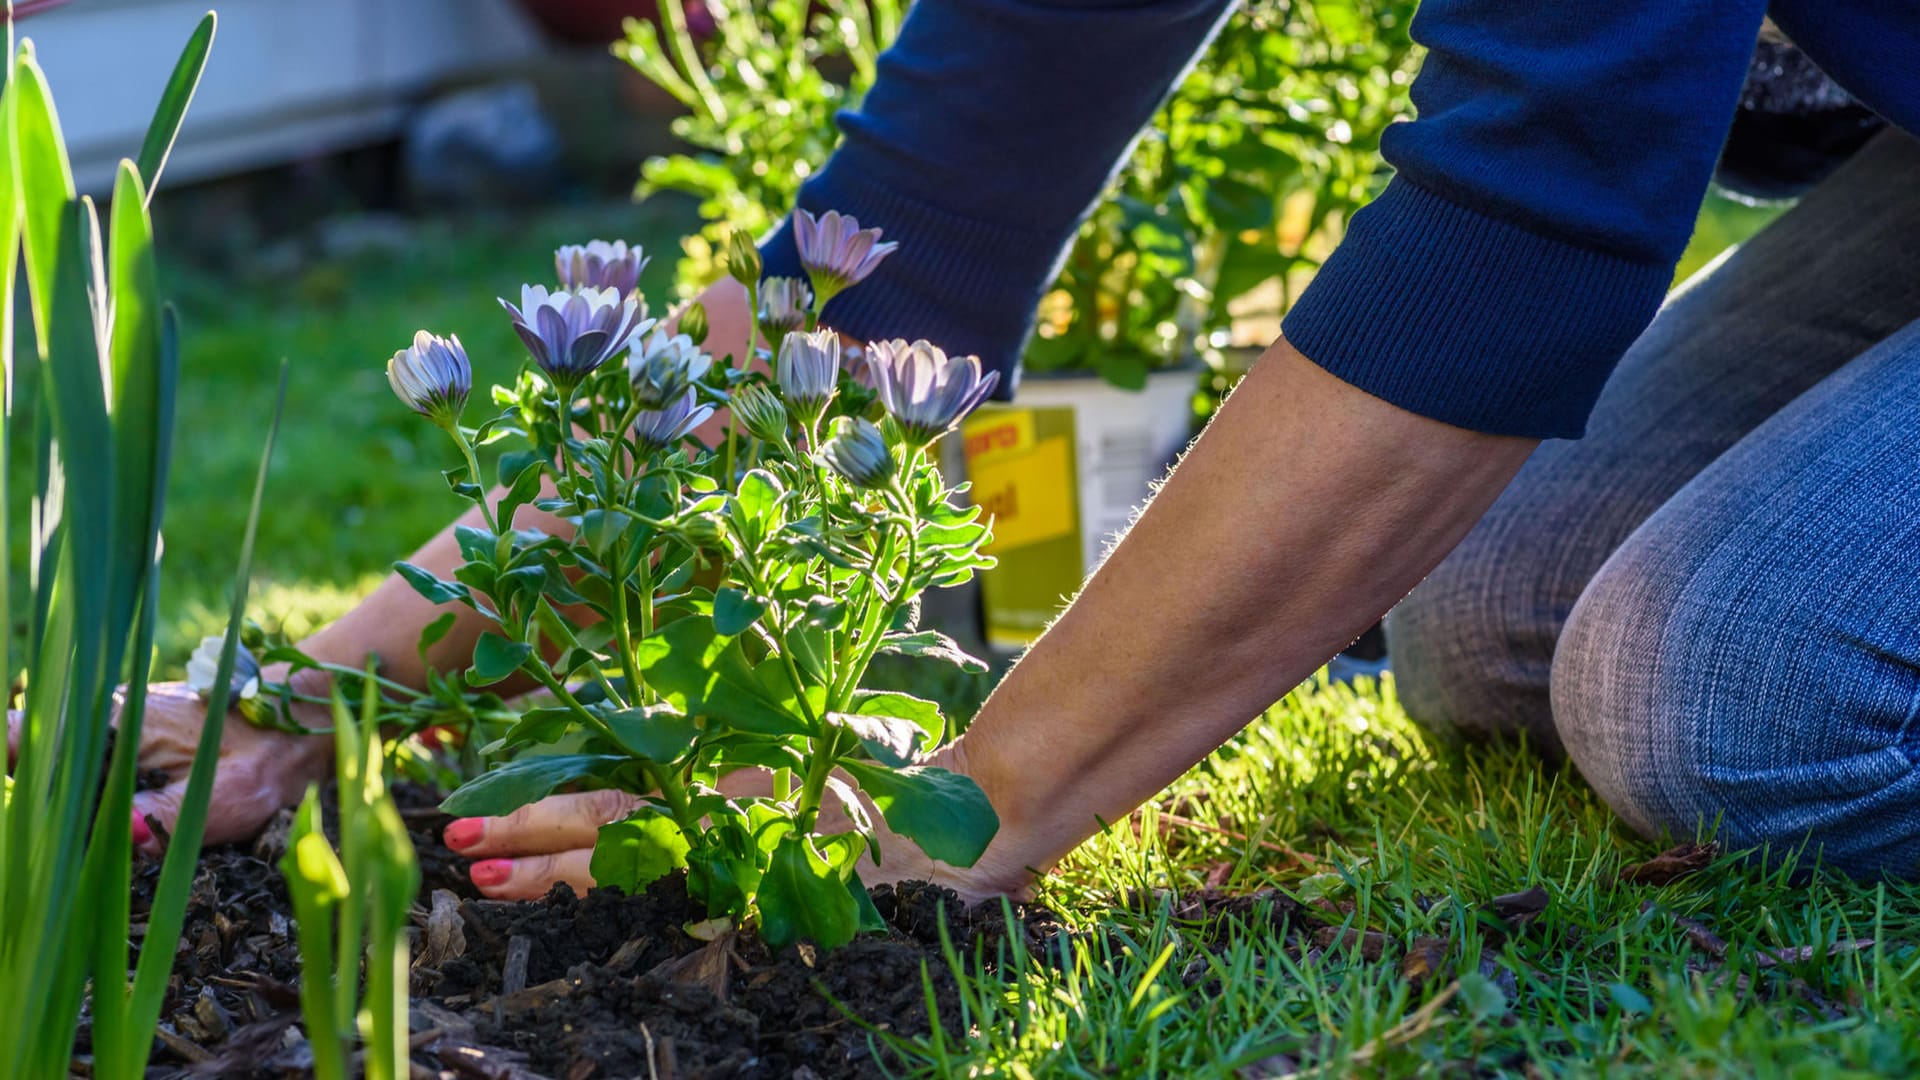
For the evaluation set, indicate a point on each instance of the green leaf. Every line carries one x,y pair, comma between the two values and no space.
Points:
634,853
945,813
515,462
890,740
659,733
433,633
183,850
529,779
755,507
934,645
476,544
495,658
734,611
802,896
173,102
871,922
1629,999
535,726
920,712
706,674
424,583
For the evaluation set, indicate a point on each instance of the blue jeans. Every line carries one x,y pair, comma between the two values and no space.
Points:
1711,604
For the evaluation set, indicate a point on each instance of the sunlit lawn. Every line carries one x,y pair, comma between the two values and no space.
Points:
1335,800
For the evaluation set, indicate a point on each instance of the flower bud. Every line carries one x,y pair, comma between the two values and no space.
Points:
743,258
856,450
783,306
664,367
808,371
702,530
432,377
693,322
758,409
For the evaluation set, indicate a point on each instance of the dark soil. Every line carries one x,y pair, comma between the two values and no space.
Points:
600,987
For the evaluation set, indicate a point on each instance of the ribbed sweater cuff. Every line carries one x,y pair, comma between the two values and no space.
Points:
968,286
1472,321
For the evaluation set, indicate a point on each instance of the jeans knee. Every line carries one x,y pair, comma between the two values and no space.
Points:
1689,713
1471,653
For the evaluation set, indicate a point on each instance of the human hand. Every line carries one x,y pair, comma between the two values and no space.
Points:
525,854
259,771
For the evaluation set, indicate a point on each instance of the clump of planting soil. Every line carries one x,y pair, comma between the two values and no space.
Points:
592,987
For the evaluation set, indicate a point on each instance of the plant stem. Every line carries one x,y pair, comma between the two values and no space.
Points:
815,786
623,631
473,474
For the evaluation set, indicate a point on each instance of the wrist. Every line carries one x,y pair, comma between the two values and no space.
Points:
310,757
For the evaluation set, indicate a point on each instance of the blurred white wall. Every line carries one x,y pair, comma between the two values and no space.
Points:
287,78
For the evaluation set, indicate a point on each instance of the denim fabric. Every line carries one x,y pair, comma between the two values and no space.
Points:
1712,603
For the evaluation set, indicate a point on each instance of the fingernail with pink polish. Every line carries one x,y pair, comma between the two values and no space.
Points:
491,872
142,832
464,833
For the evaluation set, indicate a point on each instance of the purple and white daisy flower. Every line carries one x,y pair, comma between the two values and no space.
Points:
599,264
837,253
571,332
663,428
926,392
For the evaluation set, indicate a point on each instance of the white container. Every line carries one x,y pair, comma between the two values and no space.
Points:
1064,469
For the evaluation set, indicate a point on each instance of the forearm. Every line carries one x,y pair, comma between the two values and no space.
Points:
1304,512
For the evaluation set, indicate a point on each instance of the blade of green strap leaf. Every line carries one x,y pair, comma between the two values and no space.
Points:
46,182
141,393
183,852
173,103
68,691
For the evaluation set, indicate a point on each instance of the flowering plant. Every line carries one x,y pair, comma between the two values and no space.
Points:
716,607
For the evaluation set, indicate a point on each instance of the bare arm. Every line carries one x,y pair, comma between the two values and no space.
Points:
1305,511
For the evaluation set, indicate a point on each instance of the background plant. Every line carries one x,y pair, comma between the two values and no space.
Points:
352,904
760,90
98,392
1240,186
717,609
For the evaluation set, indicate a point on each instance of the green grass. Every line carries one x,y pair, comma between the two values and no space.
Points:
1414,842
356,482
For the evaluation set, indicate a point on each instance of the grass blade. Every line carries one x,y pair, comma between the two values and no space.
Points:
174,101
183,852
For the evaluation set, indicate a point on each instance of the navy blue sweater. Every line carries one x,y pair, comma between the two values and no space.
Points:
1539,205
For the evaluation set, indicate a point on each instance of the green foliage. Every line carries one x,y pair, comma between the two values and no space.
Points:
1244,181
353,905
718,609
760,91
99,391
